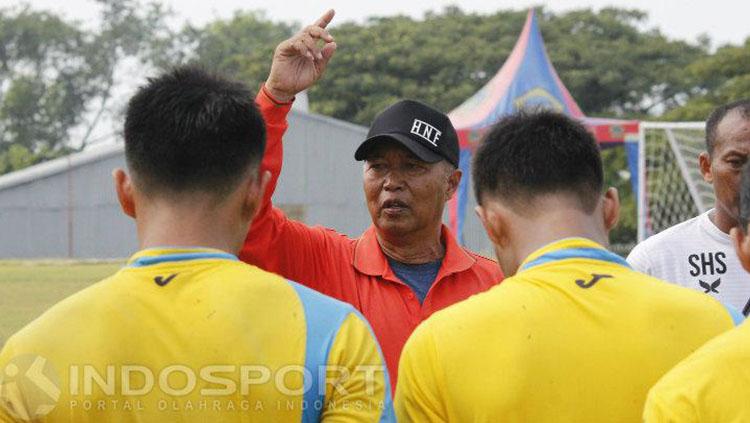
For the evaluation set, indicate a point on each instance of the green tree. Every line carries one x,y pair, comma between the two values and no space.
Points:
39,59
56,77
241,46
16,157
718,79
611,66
442,60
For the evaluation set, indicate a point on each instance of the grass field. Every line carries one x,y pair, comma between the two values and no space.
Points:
28,288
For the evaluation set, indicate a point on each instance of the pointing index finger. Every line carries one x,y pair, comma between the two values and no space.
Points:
324,20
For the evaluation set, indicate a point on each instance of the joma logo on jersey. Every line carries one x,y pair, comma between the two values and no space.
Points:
707,264
425,131
594,279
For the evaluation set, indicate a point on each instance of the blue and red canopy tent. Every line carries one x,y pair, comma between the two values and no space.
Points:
526,80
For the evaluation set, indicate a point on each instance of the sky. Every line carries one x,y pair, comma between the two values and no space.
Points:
725,21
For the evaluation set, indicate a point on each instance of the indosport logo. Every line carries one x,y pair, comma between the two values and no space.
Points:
29,387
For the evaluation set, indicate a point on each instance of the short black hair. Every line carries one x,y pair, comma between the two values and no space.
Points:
744,217
533,153
712,124
192,131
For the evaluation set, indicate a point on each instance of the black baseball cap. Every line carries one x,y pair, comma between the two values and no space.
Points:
424,131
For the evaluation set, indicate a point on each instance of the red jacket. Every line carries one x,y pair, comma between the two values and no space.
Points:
354,270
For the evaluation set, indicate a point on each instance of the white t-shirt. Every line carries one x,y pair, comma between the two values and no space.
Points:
696,254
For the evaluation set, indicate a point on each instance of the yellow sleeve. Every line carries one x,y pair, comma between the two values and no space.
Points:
357,385
418,397
664,405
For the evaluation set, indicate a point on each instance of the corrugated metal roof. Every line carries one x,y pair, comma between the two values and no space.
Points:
104,151
59,165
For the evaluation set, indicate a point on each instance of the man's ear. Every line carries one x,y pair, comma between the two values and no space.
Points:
124,189
493,222
454,179
704,162
611,208
255,193
741,242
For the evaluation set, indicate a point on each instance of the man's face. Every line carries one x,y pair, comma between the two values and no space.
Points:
731,151
405,194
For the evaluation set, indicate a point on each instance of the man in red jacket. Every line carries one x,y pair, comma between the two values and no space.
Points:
407,265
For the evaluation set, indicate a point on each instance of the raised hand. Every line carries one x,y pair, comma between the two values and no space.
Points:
298,62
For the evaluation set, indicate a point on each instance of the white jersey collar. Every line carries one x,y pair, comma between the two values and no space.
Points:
712,230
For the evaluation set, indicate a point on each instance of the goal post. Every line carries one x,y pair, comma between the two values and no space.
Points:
671,188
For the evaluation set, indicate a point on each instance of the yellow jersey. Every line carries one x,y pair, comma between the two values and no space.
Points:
193,334
711,385
575,335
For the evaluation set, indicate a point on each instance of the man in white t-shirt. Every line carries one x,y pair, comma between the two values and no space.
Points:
698,253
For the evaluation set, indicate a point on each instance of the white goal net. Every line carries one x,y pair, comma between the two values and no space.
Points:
671,187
